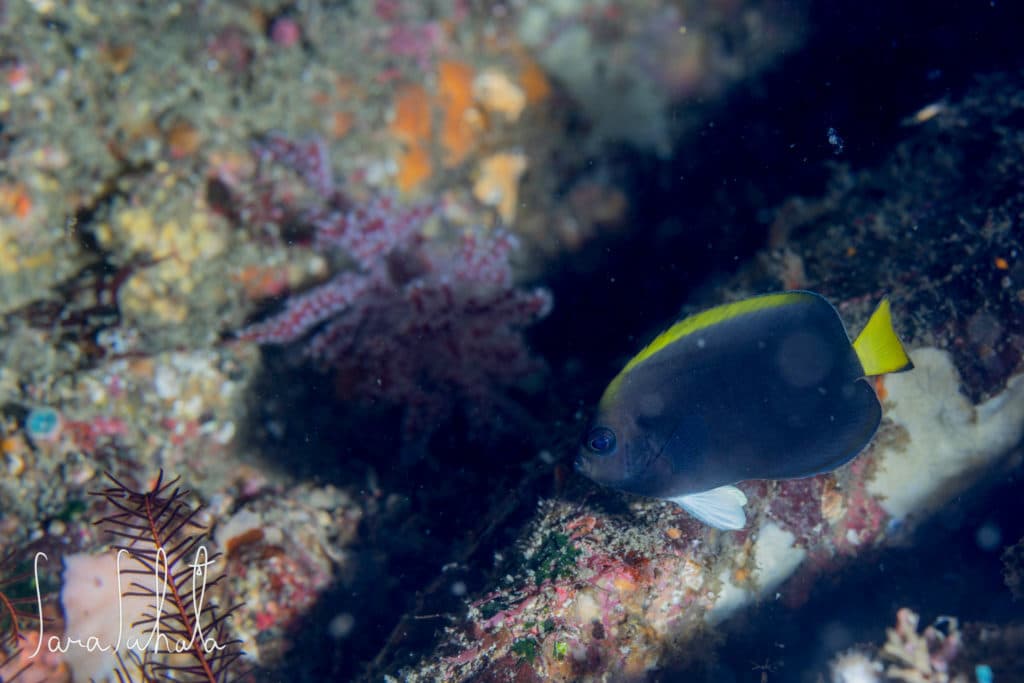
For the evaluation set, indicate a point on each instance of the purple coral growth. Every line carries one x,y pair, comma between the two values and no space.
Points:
425,324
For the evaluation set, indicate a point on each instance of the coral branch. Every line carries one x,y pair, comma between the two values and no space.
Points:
425,324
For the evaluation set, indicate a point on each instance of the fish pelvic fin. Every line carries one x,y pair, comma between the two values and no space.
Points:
878,347
721,508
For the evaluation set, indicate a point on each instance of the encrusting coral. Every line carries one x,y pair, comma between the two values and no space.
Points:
921,657
907,655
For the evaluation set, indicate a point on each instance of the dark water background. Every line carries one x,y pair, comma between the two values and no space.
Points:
865,68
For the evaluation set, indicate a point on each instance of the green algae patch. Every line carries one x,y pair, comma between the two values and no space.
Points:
527,649
555,558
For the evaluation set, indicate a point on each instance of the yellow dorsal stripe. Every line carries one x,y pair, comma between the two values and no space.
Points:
701,321
879,349
712,316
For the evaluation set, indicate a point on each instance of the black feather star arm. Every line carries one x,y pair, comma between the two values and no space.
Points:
7,662
158,529
14,610
14,615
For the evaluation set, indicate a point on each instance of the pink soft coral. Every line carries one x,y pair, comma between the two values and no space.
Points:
425,324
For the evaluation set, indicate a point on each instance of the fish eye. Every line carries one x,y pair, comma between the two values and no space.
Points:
601,441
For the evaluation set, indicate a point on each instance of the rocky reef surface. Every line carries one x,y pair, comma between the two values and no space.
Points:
350,276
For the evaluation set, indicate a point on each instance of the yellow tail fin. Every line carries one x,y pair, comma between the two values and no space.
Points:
879,349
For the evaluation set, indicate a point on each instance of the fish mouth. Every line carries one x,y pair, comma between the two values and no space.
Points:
580,464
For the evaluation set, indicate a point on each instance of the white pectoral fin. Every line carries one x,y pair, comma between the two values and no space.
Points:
721,508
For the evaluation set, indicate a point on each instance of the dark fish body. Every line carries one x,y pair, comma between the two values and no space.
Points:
767,388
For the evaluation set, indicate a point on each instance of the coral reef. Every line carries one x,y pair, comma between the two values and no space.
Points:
951,422
591,597
915,657
282,553
940,653
372,183
653,578
143,610
417,322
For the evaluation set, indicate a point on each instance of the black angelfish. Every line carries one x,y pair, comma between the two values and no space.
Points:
766,388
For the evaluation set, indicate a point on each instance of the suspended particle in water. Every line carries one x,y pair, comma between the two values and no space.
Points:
988,537
835,140
341,626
